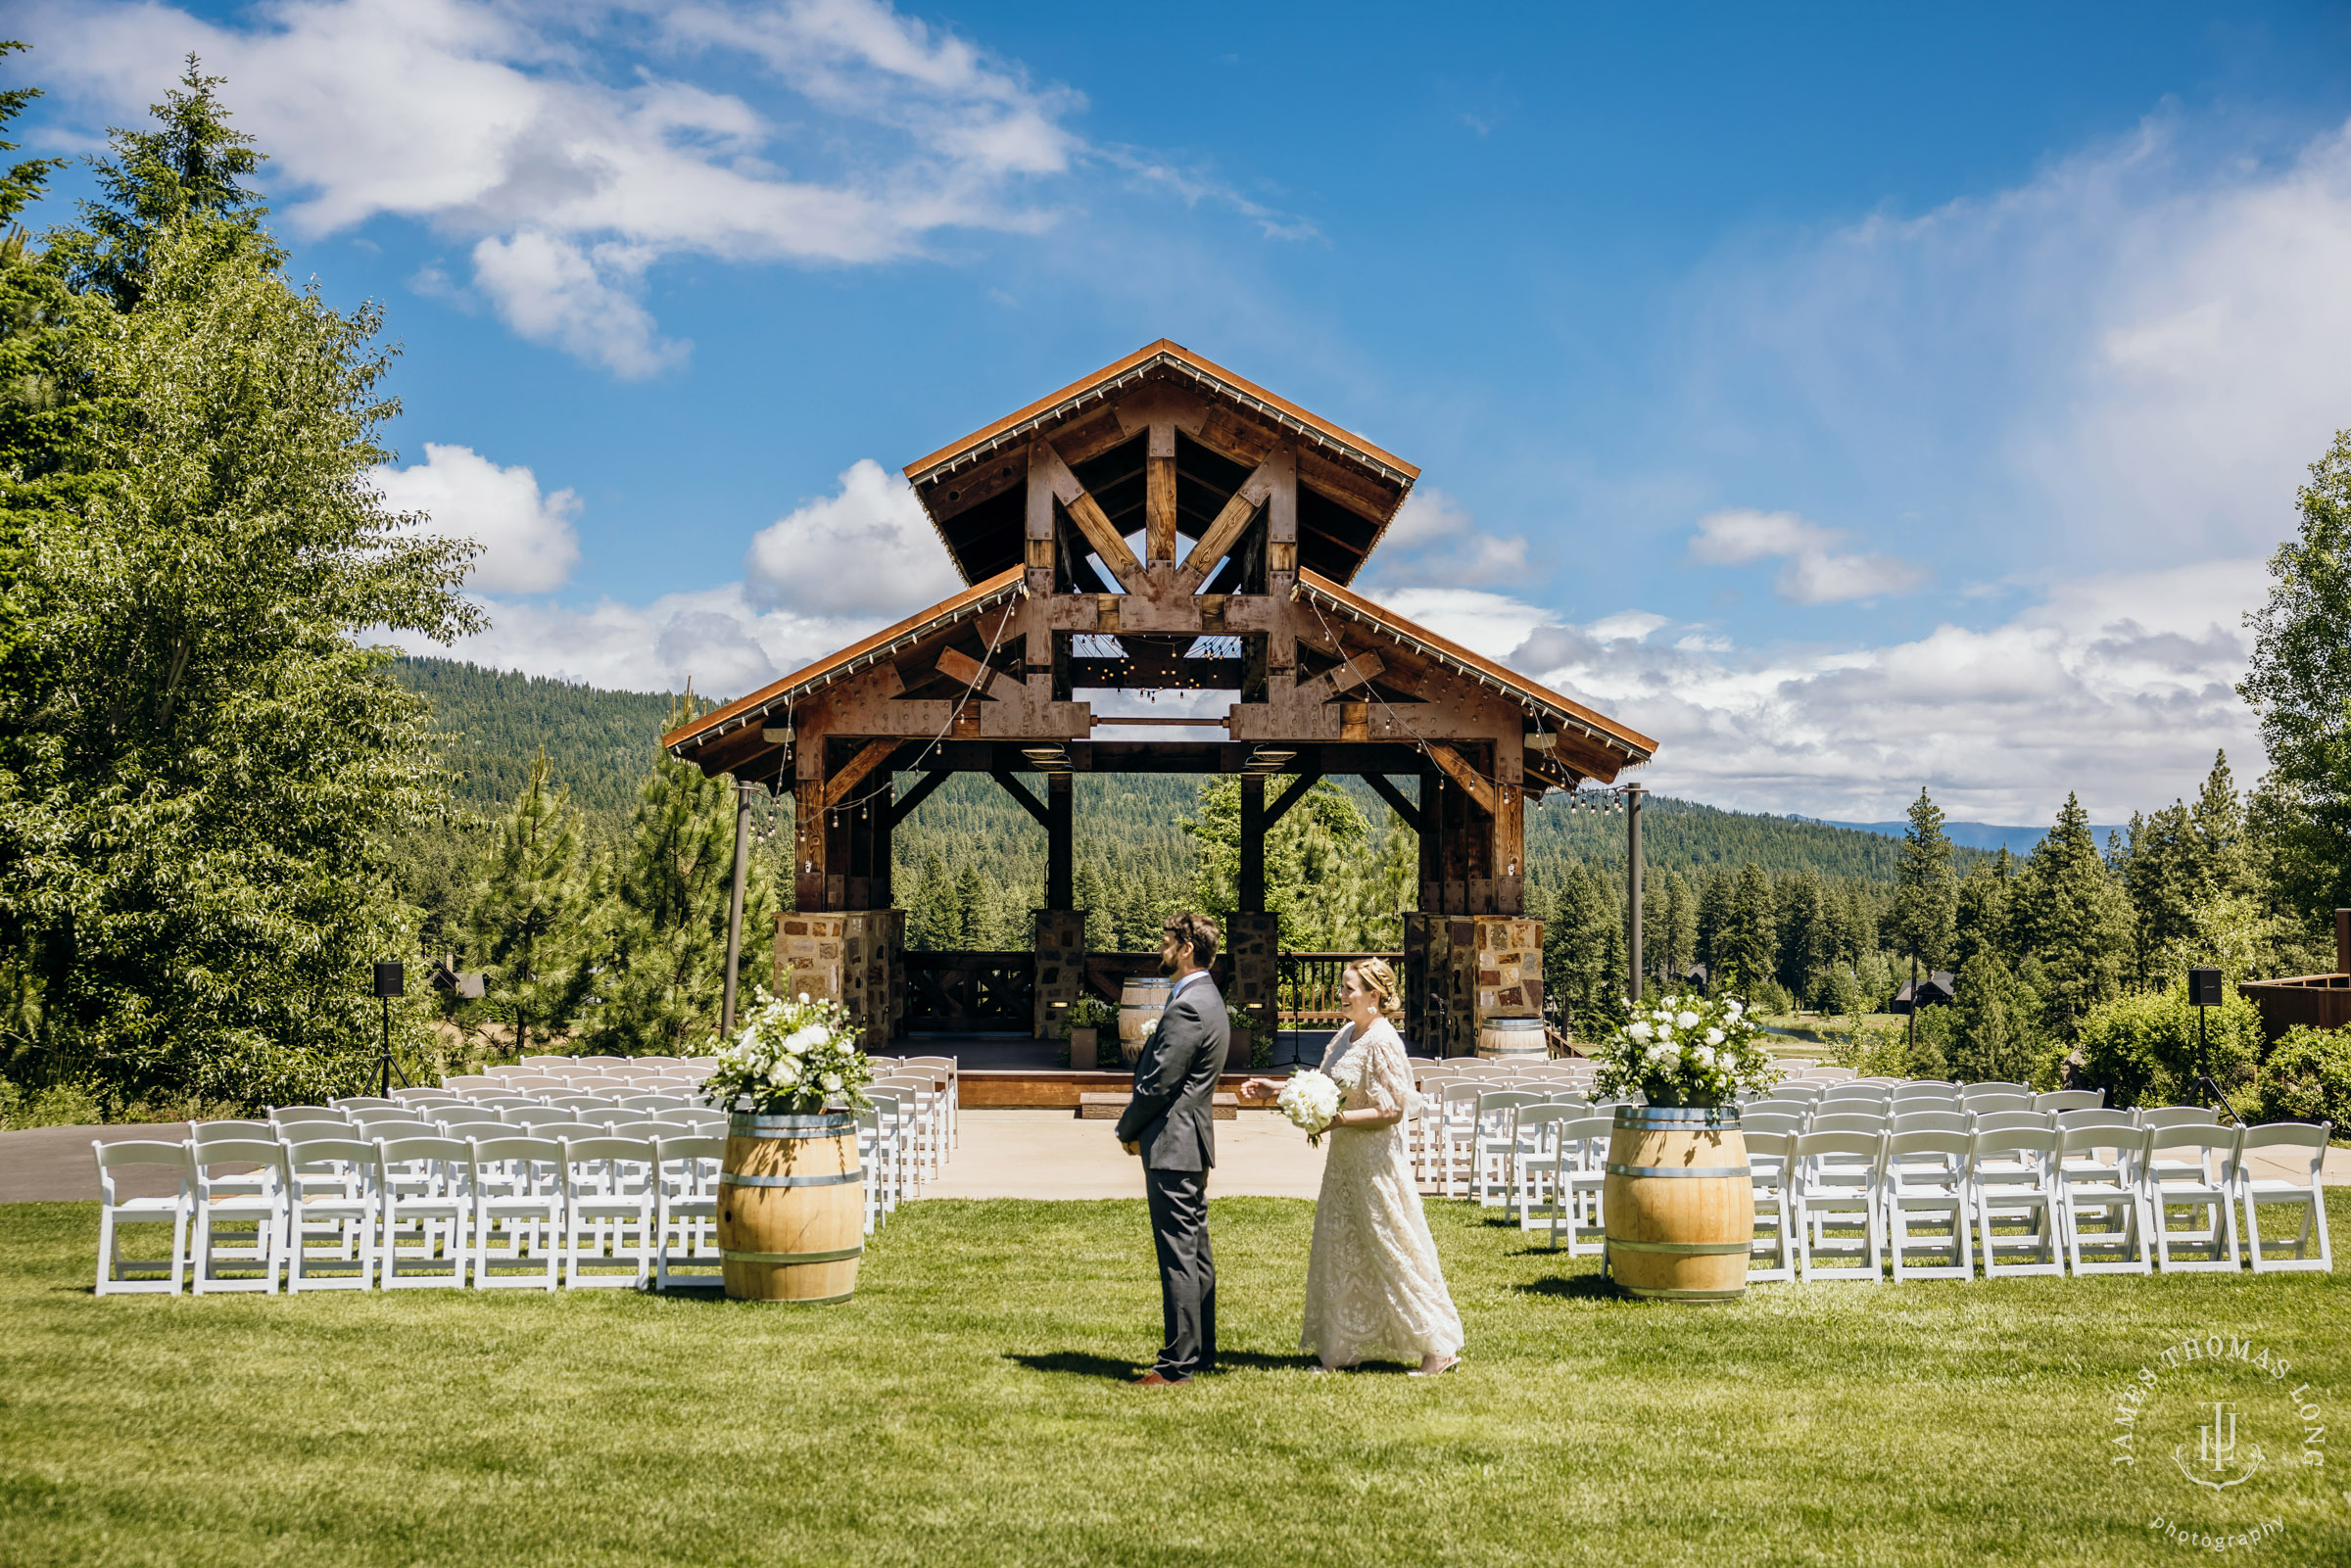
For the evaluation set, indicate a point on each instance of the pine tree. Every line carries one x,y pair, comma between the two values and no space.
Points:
1924,894
662,972
931,924
529,912
970,911
2074,920
1988,1029
1750,936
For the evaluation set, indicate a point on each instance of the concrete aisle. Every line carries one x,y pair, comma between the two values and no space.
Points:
1051,1154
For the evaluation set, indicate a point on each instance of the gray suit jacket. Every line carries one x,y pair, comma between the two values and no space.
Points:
1172,1112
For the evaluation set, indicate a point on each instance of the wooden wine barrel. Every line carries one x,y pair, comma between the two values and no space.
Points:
790,1208
1679,1204
1512,1040
1141,1000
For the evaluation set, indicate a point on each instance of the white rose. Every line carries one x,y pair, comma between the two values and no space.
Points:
831,1081
1640,1030
1714,1036
1687,1020
1665,1032
784,1073
1733,1007
803,998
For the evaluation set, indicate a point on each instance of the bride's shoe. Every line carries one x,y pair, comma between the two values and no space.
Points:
1434,1371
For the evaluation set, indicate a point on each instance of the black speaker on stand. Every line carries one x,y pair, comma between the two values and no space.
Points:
2204,993
391,980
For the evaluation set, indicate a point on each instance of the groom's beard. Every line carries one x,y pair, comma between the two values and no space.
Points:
1167,965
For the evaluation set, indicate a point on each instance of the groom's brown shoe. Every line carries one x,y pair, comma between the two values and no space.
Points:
1152,1380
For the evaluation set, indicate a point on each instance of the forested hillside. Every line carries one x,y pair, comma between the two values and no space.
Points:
598,742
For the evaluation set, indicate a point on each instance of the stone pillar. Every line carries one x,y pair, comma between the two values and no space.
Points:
853,957
1253,941
1060,967
1459,973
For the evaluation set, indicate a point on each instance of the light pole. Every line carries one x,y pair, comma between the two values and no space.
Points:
743,835
391,980
1633,796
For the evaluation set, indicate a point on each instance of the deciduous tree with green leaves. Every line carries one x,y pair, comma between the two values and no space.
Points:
2298,681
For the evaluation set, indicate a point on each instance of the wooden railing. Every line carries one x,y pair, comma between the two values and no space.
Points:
1309,987
970,992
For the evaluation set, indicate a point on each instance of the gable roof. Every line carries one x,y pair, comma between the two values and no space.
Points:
1560,712
1349,489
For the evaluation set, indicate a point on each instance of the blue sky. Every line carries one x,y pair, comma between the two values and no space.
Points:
1856,400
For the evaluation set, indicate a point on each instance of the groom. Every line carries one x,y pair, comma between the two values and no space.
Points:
1169,1124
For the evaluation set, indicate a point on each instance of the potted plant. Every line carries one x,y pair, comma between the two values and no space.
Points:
1083,1025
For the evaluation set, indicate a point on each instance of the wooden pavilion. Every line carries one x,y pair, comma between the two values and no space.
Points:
1163,524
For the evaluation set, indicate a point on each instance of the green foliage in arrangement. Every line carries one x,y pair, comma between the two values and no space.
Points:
2307,1077
200,766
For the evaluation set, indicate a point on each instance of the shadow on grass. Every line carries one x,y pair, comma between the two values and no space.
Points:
1571,1286
1117,1369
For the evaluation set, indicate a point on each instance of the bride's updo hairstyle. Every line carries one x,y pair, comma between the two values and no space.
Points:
1374,975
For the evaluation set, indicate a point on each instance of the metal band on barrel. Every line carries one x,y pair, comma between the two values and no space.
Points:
841,1255
736,1178
1679,1249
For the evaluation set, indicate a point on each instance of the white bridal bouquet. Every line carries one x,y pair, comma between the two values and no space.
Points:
791,1059
1691,1051
1312,1101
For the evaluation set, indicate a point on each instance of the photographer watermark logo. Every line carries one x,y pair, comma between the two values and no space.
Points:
2216,1463
2240,1428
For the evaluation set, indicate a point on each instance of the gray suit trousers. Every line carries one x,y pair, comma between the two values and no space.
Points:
1187,1270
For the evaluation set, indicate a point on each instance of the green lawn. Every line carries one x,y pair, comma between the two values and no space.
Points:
971,1408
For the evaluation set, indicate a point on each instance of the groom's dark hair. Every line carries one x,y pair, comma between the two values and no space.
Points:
1197,932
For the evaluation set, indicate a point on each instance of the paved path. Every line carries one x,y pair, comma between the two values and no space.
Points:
1051,1154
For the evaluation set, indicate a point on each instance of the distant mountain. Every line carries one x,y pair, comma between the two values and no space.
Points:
1987,837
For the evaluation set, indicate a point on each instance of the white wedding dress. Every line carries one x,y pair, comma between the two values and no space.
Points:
1373,1288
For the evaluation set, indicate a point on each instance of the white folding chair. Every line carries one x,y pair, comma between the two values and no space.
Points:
115,1271
2305,1189
254,1198
950,1085
1987,1087
427,1203
1457,1134
1931,1121
517,1213
2070,1100
1840,1187
685,1217
334,1196
608,1200
1583,1182
1498,1142
2204,1184
1927,1180
1535,1165
2012,1173
2101,1208
919,1100
1774,1245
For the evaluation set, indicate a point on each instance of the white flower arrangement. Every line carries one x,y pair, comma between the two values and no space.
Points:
1693,1051
791,1059
1312,1102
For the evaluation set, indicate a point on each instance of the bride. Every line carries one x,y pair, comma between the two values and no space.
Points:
1372,1283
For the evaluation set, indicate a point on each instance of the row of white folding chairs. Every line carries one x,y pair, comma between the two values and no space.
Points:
344,1212
2096,1198
1471,1137
1784,1116
2086,1199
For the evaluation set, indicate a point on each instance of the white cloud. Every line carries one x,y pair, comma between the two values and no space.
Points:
1433,539
866,549
584,302
2133,356
492,123
1815,574
528,545
2120,687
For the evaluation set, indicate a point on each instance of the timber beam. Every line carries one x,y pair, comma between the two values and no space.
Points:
1018,791
1455,767
1046,468
1306,779
904,807
975,675
1384,788
854,772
